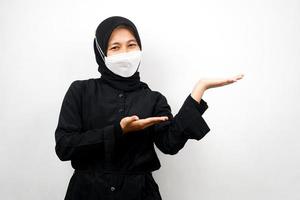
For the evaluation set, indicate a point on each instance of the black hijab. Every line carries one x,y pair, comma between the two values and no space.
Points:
103,32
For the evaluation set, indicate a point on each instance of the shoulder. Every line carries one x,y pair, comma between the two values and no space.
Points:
159,98
80,85
158,95
77,89
154,96
161,105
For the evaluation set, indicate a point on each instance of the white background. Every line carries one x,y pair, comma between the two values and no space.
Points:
252,150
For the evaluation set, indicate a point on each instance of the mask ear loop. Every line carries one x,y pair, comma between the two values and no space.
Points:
99,49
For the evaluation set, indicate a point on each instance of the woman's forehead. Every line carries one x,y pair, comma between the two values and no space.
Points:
121,35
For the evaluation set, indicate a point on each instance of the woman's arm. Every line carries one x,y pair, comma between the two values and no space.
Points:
171,136
71,142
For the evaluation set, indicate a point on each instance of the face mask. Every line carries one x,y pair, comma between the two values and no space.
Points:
122,64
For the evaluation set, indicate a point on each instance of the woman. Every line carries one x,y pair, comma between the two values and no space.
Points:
108,126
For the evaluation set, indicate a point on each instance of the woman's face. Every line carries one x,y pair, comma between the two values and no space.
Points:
121,41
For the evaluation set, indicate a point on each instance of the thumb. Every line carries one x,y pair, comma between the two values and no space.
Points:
133,118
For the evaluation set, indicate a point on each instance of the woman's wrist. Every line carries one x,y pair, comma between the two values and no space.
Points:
198,91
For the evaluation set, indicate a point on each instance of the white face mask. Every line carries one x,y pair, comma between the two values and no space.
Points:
122,64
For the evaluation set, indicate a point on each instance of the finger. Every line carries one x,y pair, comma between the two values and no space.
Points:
132,118
147,125
234,79
151,123
160,118
165,118
144,123
238,77
155,119
138,125
221,82
228,81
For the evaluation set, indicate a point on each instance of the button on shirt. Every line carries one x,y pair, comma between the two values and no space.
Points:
112,188
90,136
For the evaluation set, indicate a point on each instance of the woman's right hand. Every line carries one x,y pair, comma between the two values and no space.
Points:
133,123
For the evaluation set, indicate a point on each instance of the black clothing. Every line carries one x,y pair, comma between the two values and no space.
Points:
109,164
102,35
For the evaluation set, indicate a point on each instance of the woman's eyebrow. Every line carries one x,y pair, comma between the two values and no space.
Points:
114,43
132,40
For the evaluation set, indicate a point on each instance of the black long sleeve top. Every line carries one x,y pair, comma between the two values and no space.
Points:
108,163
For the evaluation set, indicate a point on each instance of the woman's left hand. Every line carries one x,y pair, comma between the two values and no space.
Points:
204,84
212,83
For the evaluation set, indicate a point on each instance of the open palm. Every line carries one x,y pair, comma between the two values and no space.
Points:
218,82
133,123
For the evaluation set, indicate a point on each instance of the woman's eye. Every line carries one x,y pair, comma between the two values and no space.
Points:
114,48
132,45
